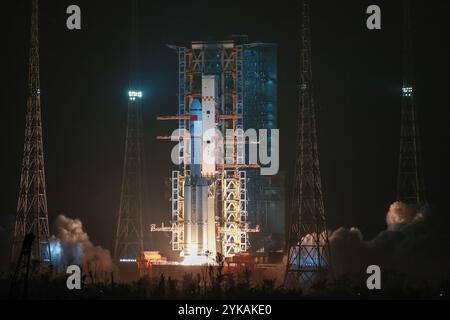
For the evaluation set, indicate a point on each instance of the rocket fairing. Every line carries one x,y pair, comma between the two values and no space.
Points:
199,214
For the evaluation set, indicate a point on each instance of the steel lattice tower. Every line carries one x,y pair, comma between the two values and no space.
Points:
308,252
410,185
32,214
19,282
129,235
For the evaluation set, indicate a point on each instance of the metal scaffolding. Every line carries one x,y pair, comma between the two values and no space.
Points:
228,186
177,200
32,212
309,249
410,182
129,240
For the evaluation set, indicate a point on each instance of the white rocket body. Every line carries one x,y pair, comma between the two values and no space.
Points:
199,208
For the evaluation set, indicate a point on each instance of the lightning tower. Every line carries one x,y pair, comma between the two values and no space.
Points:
308,251
410,185
32,214
129,234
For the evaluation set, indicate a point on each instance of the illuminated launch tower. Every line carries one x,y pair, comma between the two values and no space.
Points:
129,235
308,251
209,195
32,214
410,184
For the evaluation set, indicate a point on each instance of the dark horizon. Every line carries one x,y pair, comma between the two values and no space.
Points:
357,78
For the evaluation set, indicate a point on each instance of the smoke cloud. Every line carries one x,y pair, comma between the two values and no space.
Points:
399,214
277,273
349,251
415,243
71,245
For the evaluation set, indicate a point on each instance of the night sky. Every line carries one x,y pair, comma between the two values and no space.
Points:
84,83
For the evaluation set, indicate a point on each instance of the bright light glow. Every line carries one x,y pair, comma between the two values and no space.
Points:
407,91
127,260
192,258
192,249
56,252
55,248
134,94
197,261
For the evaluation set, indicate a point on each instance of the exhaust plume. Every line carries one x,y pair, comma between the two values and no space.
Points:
399,214
71,245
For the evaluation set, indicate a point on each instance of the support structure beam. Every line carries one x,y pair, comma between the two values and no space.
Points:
410,182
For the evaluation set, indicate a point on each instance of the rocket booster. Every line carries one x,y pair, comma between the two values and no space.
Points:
199,203
196,131
196,200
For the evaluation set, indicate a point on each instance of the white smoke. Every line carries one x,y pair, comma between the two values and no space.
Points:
399,214
412,244
71,245
277,273
311,239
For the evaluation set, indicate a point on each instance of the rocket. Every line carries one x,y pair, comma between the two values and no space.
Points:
196,188
199,215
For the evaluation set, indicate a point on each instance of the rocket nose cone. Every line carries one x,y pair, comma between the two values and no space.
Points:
196,105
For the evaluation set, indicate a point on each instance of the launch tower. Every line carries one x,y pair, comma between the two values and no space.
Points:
210,196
